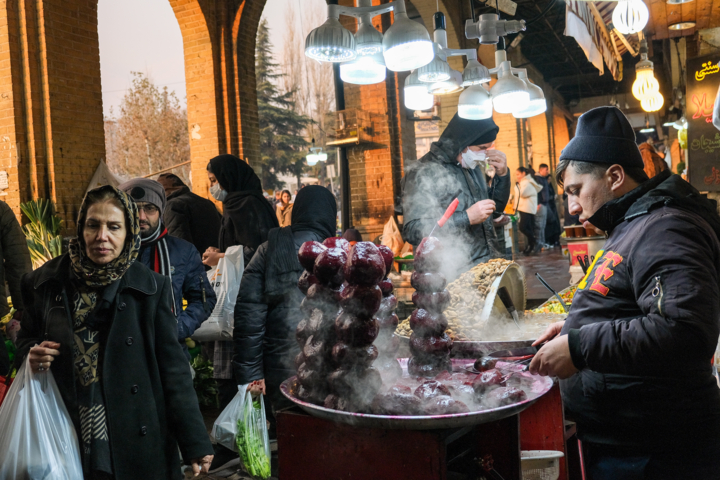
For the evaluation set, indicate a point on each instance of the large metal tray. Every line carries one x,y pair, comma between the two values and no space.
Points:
540,386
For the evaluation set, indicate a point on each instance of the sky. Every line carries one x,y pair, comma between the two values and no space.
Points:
144,36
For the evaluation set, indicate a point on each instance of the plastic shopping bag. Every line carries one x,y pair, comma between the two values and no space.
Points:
225,280
391,236
37,437
224,429
252,437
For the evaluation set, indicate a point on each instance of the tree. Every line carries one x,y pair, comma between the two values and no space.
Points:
282,144
150,134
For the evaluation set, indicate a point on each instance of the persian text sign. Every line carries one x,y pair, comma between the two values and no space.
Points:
703,80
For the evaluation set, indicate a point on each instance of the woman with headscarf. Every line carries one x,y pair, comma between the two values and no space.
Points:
106,330
267,311
247,215
284,209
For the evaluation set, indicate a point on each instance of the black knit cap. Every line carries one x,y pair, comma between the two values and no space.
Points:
604,135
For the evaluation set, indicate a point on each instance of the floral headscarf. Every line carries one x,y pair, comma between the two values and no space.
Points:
99,276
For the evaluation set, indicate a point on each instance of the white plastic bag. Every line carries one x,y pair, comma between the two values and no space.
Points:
37,437
391,236
253,440
225,280
224,429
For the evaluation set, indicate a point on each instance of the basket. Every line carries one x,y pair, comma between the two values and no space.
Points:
540,464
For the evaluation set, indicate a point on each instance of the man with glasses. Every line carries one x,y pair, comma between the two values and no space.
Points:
171,256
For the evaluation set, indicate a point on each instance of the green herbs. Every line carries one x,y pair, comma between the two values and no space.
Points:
252,439
204,383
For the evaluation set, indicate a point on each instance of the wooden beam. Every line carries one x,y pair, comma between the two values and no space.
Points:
703,13
658,13
674,15
614,45
689,14
625,42
603,28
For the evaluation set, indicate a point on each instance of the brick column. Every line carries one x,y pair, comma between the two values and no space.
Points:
51,124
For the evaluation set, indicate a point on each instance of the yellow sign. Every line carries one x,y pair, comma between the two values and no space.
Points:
708,69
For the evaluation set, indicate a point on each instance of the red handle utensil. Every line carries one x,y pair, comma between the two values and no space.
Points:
448,213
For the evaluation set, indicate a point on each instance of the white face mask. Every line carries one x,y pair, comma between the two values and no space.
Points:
218,193
471,159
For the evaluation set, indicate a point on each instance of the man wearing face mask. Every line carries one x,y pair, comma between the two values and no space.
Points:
455,167
172,257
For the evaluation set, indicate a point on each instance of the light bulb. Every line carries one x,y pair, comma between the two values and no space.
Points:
536,103
312,159
645,84
364,70
630,16
475,103
416,93
406,44
447,87
652,103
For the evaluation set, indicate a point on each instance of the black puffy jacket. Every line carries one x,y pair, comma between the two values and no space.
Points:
192,218
14,258
644,323
264,334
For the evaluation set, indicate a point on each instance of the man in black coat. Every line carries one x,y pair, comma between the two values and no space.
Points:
455,168
189,216
635,351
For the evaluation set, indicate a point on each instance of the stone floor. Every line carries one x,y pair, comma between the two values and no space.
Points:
552,266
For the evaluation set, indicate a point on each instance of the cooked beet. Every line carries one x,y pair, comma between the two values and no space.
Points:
361,300
360,384
430,389
302,332
430,346
425,323
312,395
400,388
348,357
337,242
386,286
329,266
428,282
309,377
306,280
487,380
315,352
365,265
387,306
307,306
424,367
510,395
299,360
354,331
388,257
484,364
308,252
393,403
324,294
444,405
428,255
434,302
389,368
389,321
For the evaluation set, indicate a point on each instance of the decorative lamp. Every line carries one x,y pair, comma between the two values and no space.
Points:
416,93
475,103
630,16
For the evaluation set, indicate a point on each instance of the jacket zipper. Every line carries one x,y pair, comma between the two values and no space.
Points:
658,293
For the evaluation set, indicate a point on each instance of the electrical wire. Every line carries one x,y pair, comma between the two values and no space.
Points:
542,13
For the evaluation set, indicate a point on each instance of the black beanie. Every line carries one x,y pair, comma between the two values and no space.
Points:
604,135
464,132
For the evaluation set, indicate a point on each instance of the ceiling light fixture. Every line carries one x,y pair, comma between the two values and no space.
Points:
652,103
489,28
630,16
678,2
681,25
364,70
447,87
416,93
537,104
316,155
475,103
509,92
645,84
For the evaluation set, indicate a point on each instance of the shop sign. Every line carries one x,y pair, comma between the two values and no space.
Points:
703,139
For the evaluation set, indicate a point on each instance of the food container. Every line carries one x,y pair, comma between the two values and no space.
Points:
569,231
540,464
579,230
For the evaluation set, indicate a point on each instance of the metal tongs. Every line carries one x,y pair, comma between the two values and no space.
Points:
542,280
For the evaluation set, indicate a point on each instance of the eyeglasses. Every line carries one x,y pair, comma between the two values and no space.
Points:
148,208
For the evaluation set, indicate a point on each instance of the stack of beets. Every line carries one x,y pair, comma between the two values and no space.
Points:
387,342
322,283
354,383
429,344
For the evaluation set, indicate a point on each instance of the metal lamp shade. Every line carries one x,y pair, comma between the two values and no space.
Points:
330,42
368,41
536,105
416,93
406,45
475,73
475,103
447,87
509,93
437,70
364,70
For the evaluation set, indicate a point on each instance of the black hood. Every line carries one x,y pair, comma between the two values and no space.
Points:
664,189
461,133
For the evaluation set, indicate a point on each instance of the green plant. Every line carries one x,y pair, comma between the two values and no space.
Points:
204,383
43,232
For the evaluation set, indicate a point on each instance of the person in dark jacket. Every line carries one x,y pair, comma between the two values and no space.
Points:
635,351
15,263
105,328
247,220
268,305
552,225
450,170
543,200
189,216
172,257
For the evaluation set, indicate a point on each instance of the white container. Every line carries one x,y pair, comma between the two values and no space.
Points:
540,464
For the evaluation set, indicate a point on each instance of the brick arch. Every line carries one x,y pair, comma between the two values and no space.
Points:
219,47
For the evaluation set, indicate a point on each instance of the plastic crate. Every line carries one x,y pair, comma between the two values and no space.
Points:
540,464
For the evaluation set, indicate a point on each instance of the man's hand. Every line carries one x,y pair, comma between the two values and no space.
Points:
257,387
480,212
42,356
212,256
552,331
554,359
201,465
498,160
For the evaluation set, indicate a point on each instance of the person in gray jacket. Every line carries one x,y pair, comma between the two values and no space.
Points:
455,167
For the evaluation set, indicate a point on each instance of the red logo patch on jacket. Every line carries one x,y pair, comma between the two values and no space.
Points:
604,271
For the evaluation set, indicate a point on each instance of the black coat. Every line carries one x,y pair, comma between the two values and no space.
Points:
644,326
192,218
149,398
264,334
14,258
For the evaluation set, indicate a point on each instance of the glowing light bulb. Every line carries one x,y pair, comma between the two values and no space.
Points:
652,103
630,16
645,85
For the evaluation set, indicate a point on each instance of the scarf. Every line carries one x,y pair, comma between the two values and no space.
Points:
160,255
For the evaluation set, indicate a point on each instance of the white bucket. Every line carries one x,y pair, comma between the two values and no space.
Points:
540,464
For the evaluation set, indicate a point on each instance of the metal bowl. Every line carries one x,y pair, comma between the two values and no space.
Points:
540,386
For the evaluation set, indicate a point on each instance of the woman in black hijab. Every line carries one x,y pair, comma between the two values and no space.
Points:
268,305
247,215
